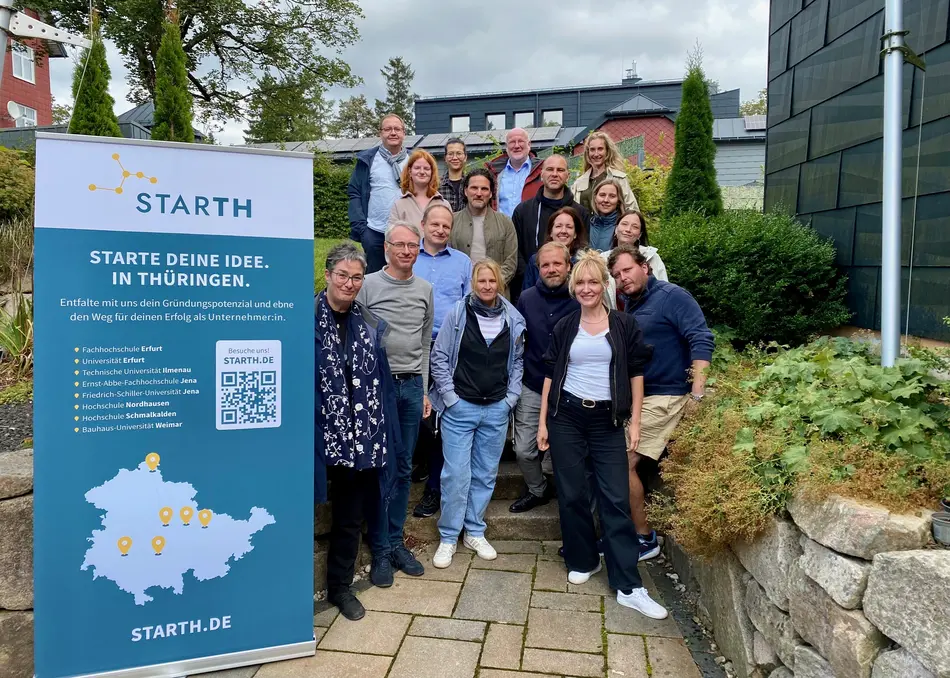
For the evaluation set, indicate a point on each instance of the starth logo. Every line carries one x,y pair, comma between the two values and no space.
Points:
126,174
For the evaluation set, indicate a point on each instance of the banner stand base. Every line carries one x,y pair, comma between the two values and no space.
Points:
221,662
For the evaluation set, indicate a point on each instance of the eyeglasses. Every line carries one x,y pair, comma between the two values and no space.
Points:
409,246
342,278
455,154
387,130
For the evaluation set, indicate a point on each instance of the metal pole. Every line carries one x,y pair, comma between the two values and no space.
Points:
891,209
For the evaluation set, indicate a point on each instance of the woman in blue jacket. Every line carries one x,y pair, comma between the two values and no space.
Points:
476,365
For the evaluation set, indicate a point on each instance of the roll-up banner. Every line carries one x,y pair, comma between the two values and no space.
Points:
173,407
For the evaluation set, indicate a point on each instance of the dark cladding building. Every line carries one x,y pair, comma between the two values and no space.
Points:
824,145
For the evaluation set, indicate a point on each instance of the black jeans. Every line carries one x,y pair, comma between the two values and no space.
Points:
579,437
355,496
372,242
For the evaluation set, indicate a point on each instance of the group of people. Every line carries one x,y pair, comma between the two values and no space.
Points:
489,302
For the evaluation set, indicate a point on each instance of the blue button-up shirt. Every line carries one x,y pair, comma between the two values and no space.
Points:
450,274
510,185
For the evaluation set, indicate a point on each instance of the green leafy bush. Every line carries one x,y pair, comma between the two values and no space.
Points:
330,203
17,180
764,275
820,419
648,184
16,335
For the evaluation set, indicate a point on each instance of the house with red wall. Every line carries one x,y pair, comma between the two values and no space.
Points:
26,80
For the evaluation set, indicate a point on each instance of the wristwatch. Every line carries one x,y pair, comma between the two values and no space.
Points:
697,398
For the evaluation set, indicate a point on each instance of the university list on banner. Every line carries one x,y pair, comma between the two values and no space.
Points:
173,407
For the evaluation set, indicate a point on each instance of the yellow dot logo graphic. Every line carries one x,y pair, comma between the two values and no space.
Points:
158,543
125,543
186,513
124,174
76,430
166,515
152,460
75,407
204,515
76,384
76,373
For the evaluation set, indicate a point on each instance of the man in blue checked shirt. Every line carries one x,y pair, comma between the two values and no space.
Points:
449,271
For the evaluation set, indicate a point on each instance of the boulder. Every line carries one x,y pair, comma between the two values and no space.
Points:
774,625
16,644
859,529
845,638
723,597
762,652
769,557
908,598
810,664
16,473
842,577
16,553
899,663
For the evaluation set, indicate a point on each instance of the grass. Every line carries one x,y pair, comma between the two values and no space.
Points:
320,248
19,392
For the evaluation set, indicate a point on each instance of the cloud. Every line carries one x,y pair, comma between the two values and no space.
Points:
497,45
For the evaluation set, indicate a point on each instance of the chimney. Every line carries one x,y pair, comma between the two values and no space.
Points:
630,76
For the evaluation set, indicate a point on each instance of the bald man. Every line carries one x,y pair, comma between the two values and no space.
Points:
517,172
531,216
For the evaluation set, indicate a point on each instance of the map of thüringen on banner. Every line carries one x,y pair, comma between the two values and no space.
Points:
154,532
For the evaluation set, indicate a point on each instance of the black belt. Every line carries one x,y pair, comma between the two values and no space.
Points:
406,375
586,403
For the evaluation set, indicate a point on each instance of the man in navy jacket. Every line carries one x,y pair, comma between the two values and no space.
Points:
675,379
541,306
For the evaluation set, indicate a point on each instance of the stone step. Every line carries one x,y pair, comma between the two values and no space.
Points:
509,484
539,524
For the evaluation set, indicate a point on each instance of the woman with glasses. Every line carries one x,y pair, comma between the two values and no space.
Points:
477,363
420,188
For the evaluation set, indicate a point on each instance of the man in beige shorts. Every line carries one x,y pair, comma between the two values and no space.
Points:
674,380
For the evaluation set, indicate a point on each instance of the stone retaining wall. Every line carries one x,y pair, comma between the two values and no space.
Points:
836,589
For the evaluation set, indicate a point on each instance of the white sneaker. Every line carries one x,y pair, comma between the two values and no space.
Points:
640,600
443,555
480,546
582,577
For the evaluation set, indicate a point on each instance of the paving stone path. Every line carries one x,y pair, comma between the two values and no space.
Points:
514,617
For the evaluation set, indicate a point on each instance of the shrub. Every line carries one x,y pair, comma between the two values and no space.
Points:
16,335
649,185
820,419
330,203
764,275
17,180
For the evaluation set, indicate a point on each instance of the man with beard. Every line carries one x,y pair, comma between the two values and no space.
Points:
531,216
542,306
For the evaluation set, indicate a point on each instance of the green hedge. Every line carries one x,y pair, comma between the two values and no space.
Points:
766,276
330,203
16,185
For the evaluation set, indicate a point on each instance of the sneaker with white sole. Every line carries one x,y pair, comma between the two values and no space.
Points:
581,577
443,555
640,600
480,546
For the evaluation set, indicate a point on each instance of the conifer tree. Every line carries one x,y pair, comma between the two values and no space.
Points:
92,107
692,185
400,100
172,118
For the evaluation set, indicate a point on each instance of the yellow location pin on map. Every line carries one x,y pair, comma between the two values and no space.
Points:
204,515
125,543
158,543
166,515
151,460
186,513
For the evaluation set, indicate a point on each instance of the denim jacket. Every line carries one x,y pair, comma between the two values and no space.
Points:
445,355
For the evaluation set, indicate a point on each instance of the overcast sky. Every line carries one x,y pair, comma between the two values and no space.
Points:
510,44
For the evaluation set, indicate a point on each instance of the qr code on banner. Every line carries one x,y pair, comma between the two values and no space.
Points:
247,384
248,397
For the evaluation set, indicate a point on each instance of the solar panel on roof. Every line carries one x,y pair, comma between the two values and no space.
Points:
544,133
434,140
755,122
363,144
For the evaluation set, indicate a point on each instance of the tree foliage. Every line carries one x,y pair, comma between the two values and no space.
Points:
400,100
757,106
692,185
172,118
17,180
294,110
227,43
330,218
354,119
61,112
92,103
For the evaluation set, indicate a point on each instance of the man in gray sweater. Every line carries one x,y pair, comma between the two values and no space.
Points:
406,303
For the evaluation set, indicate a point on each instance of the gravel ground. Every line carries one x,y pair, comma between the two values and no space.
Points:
16,425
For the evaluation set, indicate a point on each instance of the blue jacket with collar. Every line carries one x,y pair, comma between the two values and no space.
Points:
358,192
541,307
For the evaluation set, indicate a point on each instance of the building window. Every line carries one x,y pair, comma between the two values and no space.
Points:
23,64
524,120
552,118
26,116
460,123
495,121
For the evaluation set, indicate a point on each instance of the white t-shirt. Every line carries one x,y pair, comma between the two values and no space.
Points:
588,368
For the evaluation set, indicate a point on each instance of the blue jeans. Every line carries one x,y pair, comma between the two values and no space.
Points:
387,533
473,437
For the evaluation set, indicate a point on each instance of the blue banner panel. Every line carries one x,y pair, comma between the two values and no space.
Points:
173,408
